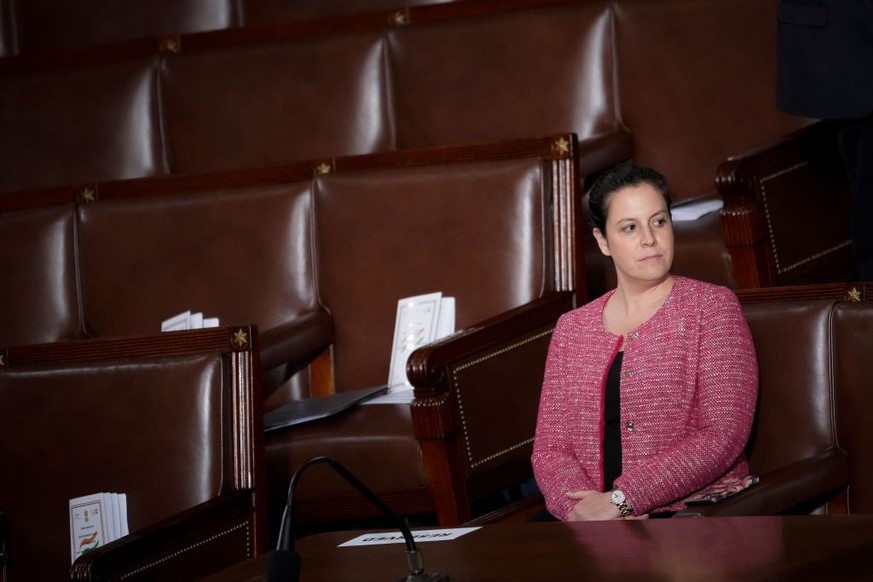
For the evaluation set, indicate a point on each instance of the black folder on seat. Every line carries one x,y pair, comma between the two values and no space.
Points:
307,409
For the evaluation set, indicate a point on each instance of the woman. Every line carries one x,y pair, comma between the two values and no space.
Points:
650,390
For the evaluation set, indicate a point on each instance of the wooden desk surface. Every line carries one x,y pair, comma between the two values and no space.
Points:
707,549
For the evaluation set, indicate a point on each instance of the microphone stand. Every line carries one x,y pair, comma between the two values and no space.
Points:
284,562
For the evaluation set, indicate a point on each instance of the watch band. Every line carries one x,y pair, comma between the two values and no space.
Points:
618,499
624,509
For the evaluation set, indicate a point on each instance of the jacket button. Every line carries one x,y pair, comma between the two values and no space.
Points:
630,425
635,335
628,373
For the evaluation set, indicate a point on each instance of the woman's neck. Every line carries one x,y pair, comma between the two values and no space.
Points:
631,306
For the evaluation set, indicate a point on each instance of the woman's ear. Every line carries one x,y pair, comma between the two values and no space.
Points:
601,241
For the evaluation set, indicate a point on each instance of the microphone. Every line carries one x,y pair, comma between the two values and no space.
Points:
283,563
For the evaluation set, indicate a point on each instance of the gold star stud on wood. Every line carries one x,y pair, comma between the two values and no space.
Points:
854,294
240,338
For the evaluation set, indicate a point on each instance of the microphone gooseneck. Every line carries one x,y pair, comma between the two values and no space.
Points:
284,563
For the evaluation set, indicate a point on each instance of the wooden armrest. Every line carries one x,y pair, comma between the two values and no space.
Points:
476,401
784,489
295,343
194,543
817,141
426,366
487,372
774,196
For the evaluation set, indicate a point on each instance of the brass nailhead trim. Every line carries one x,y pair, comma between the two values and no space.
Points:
475,362
779,269
181,551
815,256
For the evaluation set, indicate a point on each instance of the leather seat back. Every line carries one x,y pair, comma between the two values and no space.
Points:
237,254
796,410
275,103
74,125
39,295
477,232
683,69
58,24
514,75
159,420
853,344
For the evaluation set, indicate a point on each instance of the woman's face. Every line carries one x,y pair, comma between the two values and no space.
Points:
639,234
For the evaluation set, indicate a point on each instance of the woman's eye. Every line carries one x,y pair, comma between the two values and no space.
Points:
629,228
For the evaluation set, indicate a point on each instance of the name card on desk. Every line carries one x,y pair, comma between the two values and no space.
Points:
426,535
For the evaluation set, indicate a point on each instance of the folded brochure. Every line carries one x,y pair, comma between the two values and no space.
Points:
307,409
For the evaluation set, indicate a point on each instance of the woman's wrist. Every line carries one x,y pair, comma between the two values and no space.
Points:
618,499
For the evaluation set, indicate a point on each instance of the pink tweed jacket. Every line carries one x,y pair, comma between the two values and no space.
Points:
689,384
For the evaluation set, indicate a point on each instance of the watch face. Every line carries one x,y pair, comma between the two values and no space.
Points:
617,496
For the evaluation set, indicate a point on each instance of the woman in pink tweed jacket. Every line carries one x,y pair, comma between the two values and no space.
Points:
684,362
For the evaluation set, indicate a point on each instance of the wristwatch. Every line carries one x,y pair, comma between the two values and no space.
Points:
619,500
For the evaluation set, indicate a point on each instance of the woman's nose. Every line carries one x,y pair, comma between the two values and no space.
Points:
649,236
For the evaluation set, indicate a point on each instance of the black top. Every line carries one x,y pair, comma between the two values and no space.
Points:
611,424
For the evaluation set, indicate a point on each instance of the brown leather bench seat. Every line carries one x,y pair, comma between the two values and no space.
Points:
289,248
854,398
810,444
38,295
66,125
477,231
691,81
171,420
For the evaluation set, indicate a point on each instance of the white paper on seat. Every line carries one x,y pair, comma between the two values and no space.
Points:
188,320
695,210
96,520
420,320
